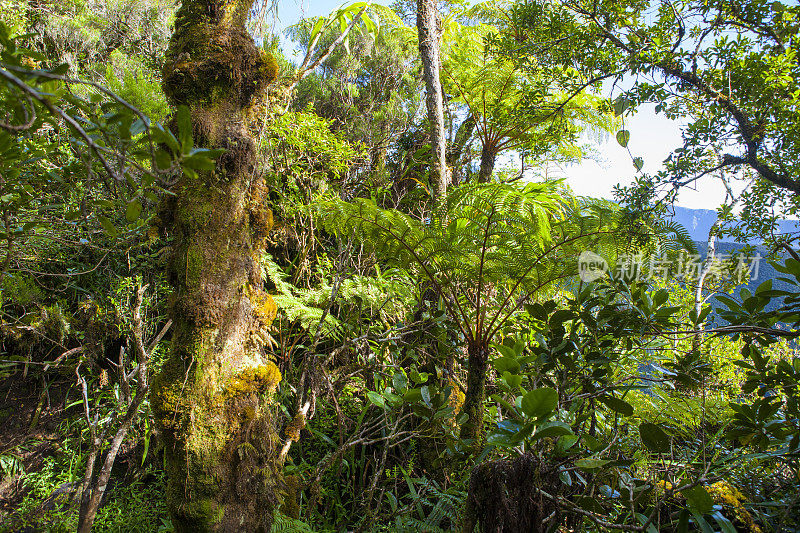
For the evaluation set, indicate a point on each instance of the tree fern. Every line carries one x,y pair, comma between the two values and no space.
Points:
486,249
513,239
674,236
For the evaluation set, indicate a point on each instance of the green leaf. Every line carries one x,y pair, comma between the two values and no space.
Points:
376,399
108,226
60,70
184,121
412,396
161,135
590,504
539,403
638,163
699,499
621,104
654,438
683,522
704,526
513,381
400,382
316,29
506,351
506,364
163,159
566,442
198,162
134,210
554,428
623,137
724,523
615,404
426,395
591,464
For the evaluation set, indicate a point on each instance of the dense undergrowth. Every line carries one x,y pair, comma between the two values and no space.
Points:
443,363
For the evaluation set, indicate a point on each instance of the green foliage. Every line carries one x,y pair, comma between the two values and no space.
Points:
309,140
18,289
11,466
284,524
770,420
46,185
725,69
427,507
382,296
518,240
366,92
85,33
134,83
135,506
642,420
542,112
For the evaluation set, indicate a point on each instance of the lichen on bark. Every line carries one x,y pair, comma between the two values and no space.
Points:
213,398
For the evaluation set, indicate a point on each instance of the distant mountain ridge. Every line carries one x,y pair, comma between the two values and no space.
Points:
698,222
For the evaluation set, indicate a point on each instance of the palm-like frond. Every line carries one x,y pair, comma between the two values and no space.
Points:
376,295
505,239
674,236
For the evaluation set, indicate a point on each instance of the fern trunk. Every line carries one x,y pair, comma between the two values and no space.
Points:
212,398
477,367
488,161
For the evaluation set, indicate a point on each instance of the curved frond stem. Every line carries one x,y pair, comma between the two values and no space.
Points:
492,328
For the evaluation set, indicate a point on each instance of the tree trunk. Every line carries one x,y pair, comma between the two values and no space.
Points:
212,398
488,160
428,33
477,367
456,149
504,496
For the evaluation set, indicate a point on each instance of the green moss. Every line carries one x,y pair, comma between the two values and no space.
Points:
221,447
264,308
194,266
199,211
170,388
207,511
291,497
257,379
19,289
210,61
269,66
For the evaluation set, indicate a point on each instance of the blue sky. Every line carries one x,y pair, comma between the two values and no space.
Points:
290,11
653,137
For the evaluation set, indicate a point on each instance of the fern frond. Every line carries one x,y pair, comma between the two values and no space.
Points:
283,524
481,235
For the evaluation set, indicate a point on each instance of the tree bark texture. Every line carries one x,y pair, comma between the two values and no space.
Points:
477,367
212,399
488,160
428,33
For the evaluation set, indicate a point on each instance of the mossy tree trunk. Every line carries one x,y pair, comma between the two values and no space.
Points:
428,35
477,368
212,398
